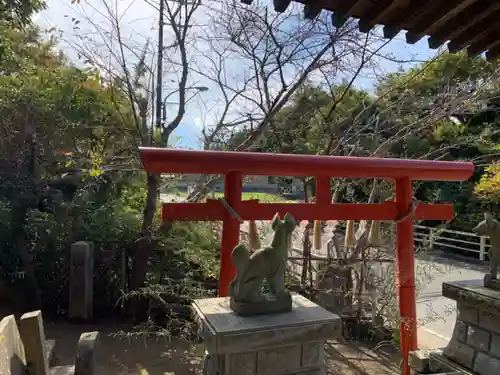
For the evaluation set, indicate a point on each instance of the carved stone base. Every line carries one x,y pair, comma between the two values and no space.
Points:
270,305
475,343
275,344
490,282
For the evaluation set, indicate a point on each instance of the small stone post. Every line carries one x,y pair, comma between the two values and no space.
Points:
33,336
85,354
12,355
81,280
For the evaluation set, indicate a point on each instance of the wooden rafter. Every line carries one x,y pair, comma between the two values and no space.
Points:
473,25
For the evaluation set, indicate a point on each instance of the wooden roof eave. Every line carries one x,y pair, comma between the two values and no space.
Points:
473,25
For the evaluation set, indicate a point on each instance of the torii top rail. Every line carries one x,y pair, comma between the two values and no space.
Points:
234,165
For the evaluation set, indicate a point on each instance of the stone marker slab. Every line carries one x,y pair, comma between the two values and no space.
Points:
12,356
33,335
81,281
85,353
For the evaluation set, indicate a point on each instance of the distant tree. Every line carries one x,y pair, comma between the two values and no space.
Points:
18,13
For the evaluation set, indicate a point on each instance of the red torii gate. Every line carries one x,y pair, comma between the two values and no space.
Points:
234,165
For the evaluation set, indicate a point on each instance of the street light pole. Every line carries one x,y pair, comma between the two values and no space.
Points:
164,104
159,67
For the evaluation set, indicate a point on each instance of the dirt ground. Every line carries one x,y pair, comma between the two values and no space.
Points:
117,355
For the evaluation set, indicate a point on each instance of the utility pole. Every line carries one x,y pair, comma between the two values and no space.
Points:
159,70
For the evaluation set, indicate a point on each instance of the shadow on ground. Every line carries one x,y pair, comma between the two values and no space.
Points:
120,355
160,356
349,358
453,260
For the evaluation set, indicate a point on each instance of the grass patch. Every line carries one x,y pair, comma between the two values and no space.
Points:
262,197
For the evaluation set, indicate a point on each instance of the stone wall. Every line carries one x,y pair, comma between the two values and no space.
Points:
475,343
474,347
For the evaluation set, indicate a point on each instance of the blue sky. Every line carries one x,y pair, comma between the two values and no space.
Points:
140,22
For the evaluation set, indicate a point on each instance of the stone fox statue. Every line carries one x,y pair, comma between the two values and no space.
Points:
267,263
491,227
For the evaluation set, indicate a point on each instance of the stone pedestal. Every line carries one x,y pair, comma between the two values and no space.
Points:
275,344
475,343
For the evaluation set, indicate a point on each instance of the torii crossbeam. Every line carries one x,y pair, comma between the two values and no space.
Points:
235,165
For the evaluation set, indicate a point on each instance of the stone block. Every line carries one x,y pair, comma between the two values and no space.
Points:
495,346
280,360
473,292
460,353
63,370
243,363
486,365
419,361
214,364
439,364
460,331
33,335
312,353
478,338
310,372
274,344
85,353
12,355
489,321
467,313
225,332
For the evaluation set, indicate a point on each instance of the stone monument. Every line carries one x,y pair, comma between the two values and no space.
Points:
255,333
474,347
81,281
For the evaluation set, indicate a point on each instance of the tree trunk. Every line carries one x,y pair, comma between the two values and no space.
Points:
145,244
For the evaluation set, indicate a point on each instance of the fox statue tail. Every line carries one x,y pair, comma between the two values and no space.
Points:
240,258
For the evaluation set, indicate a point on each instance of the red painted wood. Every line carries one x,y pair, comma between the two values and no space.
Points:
213,210
236,164
230,230
323,191
168,160
405,271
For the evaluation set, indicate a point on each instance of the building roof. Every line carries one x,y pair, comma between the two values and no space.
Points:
467,24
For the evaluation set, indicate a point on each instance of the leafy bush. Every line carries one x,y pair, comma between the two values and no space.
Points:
112,223
488,187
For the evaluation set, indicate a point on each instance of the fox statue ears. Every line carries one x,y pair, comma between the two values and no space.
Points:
288,220
275,221
488,217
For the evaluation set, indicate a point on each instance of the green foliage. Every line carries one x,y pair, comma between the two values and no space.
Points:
199,244
488,188
17,13
69,172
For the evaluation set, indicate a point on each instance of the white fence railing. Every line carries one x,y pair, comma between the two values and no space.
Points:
446,239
